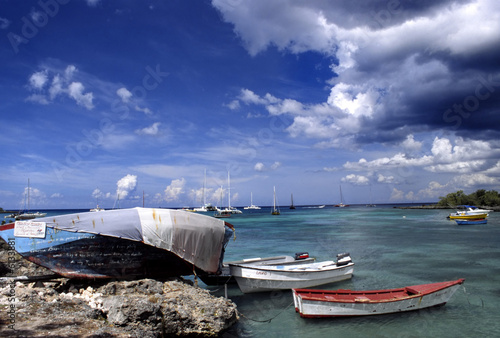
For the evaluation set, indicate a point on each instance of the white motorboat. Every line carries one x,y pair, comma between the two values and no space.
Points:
224,275
470,210
253,277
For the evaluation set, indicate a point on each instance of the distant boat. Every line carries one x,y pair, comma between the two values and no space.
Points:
251,206
291,205
467,216
122,243
471,221
371,205
340,303
221,213
30,215
276,210
341,204
469,210
230,209
97,208
206,206
24,215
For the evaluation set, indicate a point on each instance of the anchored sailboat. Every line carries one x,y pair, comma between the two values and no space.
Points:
275,211
291,205
229,208
342,204
251,206
221,213
27,214
206,206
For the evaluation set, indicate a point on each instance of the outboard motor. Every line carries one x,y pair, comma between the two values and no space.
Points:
301,255
343,259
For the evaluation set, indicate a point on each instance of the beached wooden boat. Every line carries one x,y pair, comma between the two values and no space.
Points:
260,278
339,303
122,243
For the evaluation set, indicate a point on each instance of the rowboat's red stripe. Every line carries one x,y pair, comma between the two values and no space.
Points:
7,226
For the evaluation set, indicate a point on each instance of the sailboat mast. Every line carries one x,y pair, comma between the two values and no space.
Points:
228,191
204,185
221,190
274,198
275,211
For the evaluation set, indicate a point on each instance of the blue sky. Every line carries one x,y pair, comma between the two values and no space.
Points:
102,99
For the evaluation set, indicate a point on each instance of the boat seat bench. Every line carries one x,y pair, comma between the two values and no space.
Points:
411,291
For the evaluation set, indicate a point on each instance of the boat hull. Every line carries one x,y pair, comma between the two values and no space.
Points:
225,277
471,221
84,255
320,303
263,279
27,216
468,216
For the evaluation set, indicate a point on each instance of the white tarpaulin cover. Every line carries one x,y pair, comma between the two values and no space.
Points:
197,239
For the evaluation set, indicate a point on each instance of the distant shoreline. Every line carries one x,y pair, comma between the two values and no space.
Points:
424,206
435,206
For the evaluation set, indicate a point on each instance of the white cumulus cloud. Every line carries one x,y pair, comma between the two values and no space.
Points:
124,94
151,130
259,166
125,185
356,179
175,190
60,84
76,91
38,80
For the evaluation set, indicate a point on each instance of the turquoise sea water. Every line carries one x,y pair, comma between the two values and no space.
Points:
390,248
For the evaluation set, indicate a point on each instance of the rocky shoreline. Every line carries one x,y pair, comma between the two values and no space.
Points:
76,308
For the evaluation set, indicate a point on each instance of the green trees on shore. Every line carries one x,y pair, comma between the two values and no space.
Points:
480,197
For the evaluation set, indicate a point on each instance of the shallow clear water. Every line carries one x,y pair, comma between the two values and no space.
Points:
391,248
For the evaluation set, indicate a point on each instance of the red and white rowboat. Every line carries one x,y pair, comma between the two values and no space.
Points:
337,303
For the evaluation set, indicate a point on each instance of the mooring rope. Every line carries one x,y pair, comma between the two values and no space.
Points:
266,320
223,285
467,296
